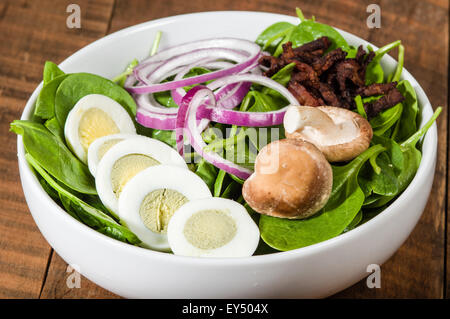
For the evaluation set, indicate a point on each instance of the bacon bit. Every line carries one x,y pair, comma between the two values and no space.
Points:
303,96
376,89
331,78
391,98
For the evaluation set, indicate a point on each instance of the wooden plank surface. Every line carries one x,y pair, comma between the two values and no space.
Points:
31,32
28,266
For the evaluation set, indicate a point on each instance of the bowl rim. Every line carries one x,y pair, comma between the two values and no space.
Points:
428,159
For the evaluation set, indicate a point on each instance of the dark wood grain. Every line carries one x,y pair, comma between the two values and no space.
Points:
56,285
417,270
30,33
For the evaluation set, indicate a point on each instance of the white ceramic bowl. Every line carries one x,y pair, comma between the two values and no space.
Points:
315,271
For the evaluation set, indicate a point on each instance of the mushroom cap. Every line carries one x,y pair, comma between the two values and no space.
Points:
340,151
292,179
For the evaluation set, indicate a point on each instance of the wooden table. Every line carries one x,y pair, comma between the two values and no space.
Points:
32,32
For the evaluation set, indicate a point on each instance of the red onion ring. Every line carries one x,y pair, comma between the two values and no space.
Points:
187,123
185,54
226,116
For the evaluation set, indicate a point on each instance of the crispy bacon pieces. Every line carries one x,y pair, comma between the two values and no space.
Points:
391,98
331,78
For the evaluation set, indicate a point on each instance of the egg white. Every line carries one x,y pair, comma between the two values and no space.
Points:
243,244
153,178
114,110
93,156
139,144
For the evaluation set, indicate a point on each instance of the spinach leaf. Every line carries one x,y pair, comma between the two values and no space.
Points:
385,182
283,77
219,182
386,119
374,71
51,71
264,102
48,189
94,201
272,38
345,202
274,35
393,150
207,172
310,30
45,104
165,99
78,85
407,124
351,52
360,106
53,126
232,191
82,211
264,249
167,137
411,161
66,203
237,179
53,155
355,222
398,70
412,154
370,199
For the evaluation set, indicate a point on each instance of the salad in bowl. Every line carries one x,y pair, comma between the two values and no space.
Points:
225,147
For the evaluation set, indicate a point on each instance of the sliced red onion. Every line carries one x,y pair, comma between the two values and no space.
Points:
249,119
166,69
192,131
195,96
226,116
142,69
163,70
130,80
228,96
173,60
154,120
193,58
252,119
232,43
177,94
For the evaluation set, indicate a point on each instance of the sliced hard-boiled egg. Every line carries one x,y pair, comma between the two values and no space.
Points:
126,159
100,146
213,227
94,116
149,200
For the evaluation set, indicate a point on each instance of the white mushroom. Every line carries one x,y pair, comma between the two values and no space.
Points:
292,179
339,134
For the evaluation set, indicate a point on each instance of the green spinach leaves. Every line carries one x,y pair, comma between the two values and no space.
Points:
82,211
272,38
54,156
78,85
62,175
